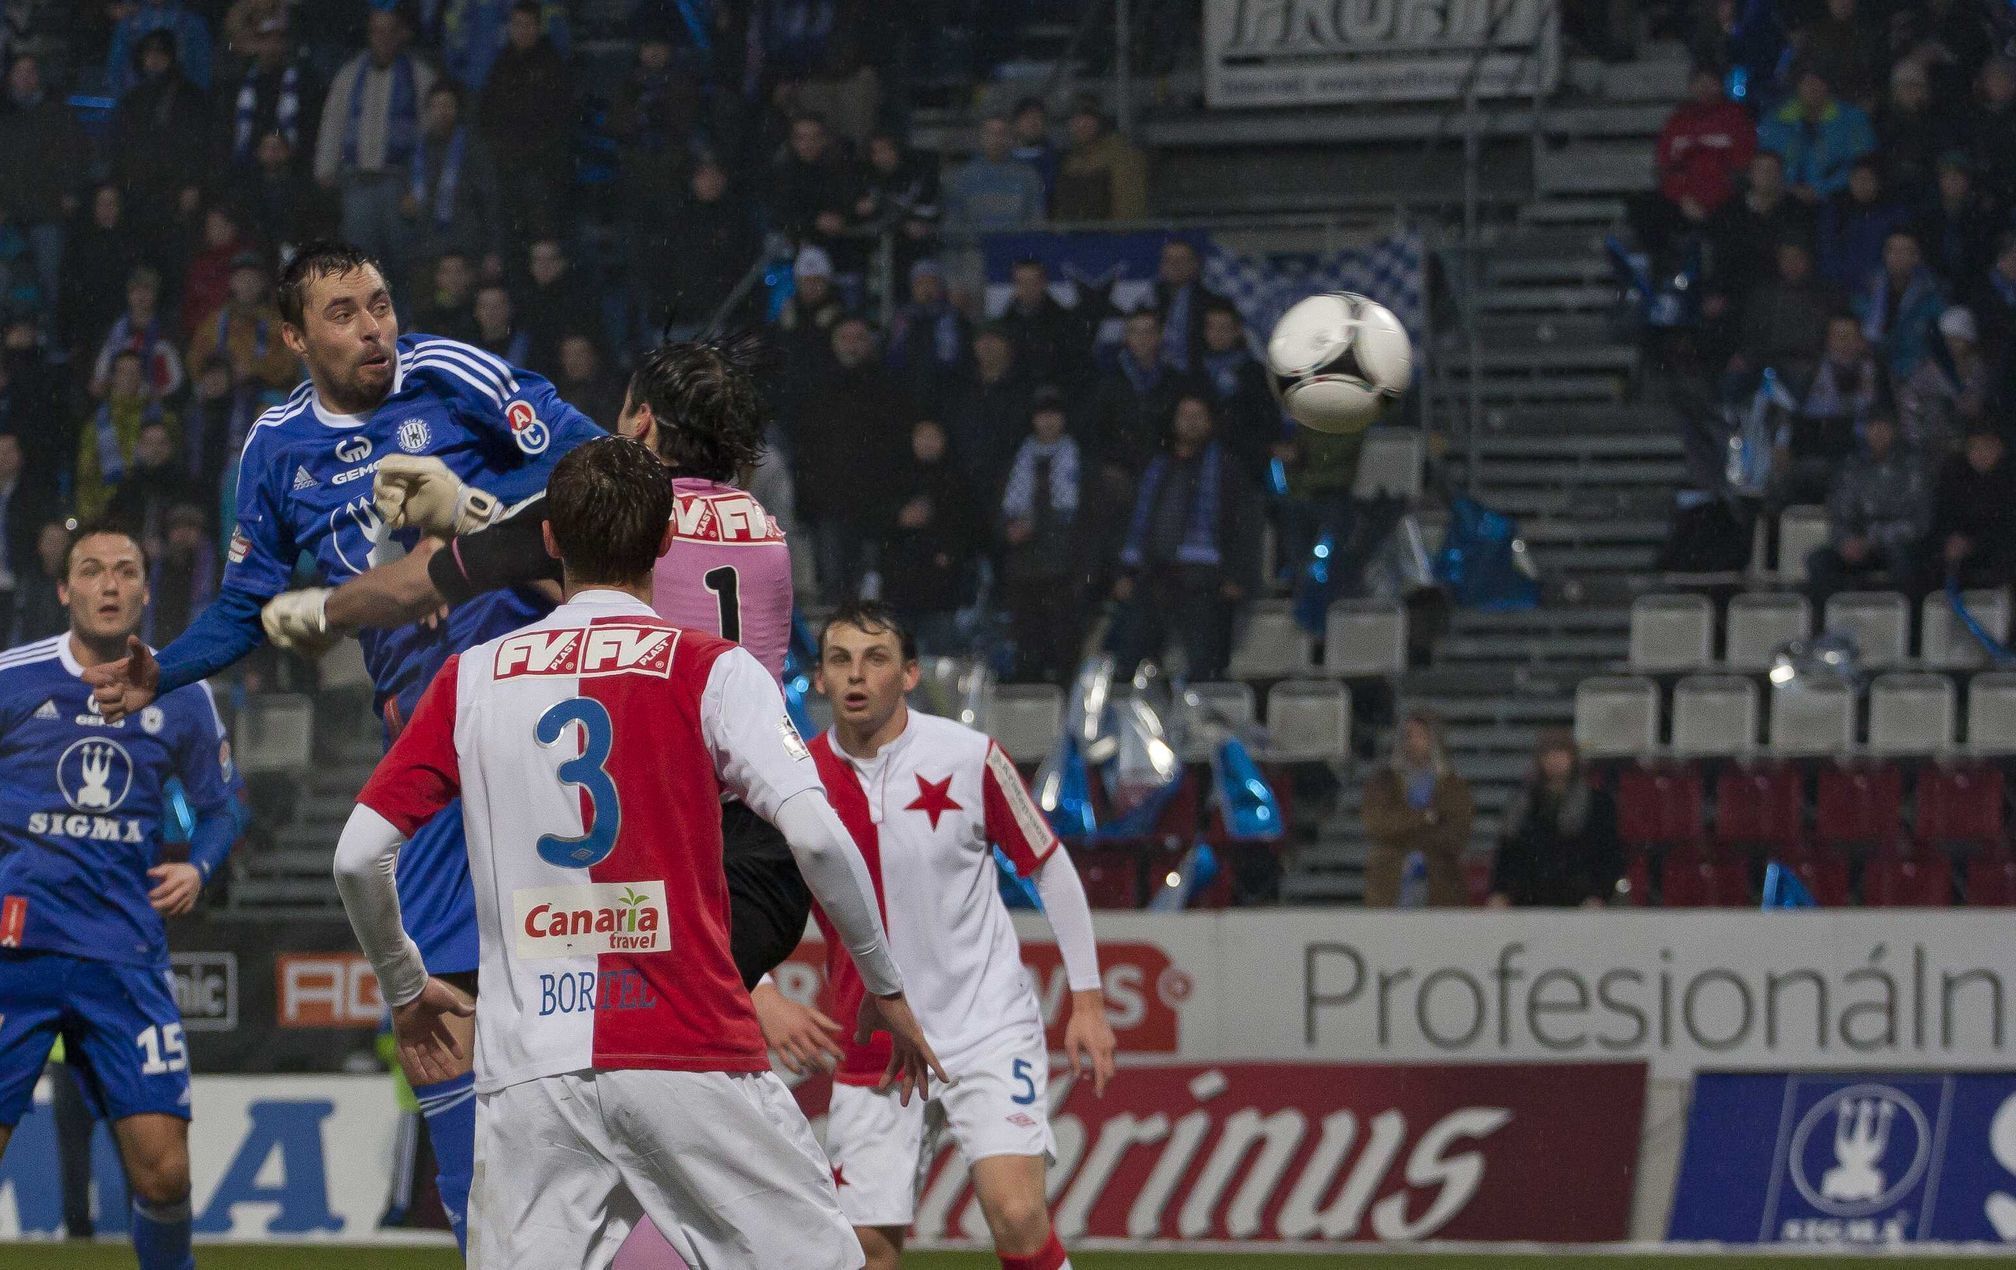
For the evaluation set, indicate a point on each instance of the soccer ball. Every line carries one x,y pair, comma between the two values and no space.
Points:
1337,360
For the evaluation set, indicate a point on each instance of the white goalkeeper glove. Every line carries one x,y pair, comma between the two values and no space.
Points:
299,621
419,492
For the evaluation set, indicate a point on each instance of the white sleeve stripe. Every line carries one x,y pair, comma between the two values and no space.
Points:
506,376
1029,820
488,390
432,351
216,716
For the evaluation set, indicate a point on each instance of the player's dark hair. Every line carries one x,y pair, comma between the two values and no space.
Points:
324,258
608,502
875,618
704,396
99,528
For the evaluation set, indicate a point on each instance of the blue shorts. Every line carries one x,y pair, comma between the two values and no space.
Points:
121,1033
436,901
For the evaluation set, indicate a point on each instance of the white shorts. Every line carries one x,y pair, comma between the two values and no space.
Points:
724,1164
881,1148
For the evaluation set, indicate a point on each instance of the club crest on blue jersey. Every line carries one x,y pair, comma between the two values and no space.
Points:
151,720
526,427
414,436
95,774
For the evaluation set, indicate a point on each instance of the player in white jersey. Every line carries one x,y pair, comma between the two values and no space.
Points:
619,1068
926,800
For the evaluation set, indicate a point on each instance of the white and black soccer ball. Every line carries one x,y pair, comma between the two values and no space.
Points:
1338,360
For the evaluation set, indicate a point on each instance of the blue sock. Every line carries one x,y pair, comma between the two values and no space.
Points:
450,1110
161,1236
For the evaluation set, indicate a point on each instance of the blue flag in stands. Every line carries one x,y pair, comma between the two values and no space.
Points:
1783,889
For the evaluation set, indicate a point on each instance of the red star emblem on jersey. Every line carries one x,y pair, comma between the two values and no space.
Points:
839,1176
934,798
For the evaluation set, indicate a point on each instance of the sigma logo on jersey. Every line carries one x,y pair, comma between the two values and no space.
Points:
726,519
95,774
353,449
526,427
589,652
414,435
584,921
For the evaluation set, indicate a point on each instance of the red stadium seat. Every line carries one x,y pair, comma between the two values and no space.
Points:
1637,881
1906,875
1658,806
1960,805
1697,876
1858,804
1477,878
1761,805
1112,875
1991,879
1824,871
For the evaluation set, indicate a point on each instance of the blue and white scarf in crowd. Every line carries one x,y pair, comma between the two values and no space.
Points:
440,199
1018,500
402,114
1200,532
286,112
111,455
1223,370
1176,326
1144,378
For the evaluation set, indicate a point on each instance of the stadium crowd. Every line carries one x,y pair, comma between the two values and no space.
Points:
1833,232
160,158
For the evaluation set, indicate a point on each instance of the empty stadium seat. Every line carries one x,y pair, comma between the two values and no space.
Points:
274,733
1209,710
1714,715
1270,644
1635,886
1825,873
1858,804
1907,875
1760,805
342,668
1759,623
1112,875
1025,718
1616,716
1801,531
1911,714
1991,713
1697,876
1365,638
1390,464
1878,621
1308,721
1960,805
1943,641
1658,806
1812,717
1671,632
1991,879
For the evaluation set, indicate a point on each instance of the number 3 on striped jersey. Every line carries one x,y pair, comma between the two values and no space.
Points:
589,771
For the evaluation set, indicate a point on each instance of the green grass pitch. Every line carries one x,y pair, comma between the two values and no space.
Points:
324,1257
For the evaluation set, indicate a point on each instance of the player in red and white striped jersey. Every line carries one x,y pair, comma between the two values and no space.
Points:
620,1071
926,799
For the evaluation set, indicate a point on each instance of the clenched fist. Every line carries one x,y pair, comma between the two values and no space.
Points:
419,492
299,621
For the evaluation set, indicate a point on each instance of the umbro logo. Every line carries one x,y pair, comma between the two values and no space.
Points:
47,711
303,479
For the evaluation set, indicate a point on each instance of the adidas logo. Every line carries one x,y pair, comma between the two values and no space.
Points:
302,479
48,711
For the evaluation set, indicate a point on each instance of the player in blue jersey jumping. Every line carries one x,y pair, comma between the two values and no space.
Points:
304,485
83,889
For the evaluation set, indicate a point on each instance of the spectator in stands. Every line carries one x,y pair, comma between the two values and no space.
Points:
1191,556
1991,132
278,92
1322,470
245,329
1959,226
1182,298
206,278
1998,312
843,89
38,614
1417,804
1043,567
188,37
41,144
153,481
1819,137
1910,133
1900,306
847,436
24,505
583,381
111,435
931,553
987,411
453,201
370,133
1103,175
158,131
103,251
653,117
1745,234
807,319
476,33
1559,848
993,190
141,331
1854,225
1950,38
34,404
1951,389
1785,319
1845,47
1053,344
928,337
221,413
496,329
1820,434
1704,149
285,205
527,115
898,195
1249,419
182,574
1133,403
449,308
559,301
1033,146
1974,512
1878,510
1747,37
809,184
693,259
